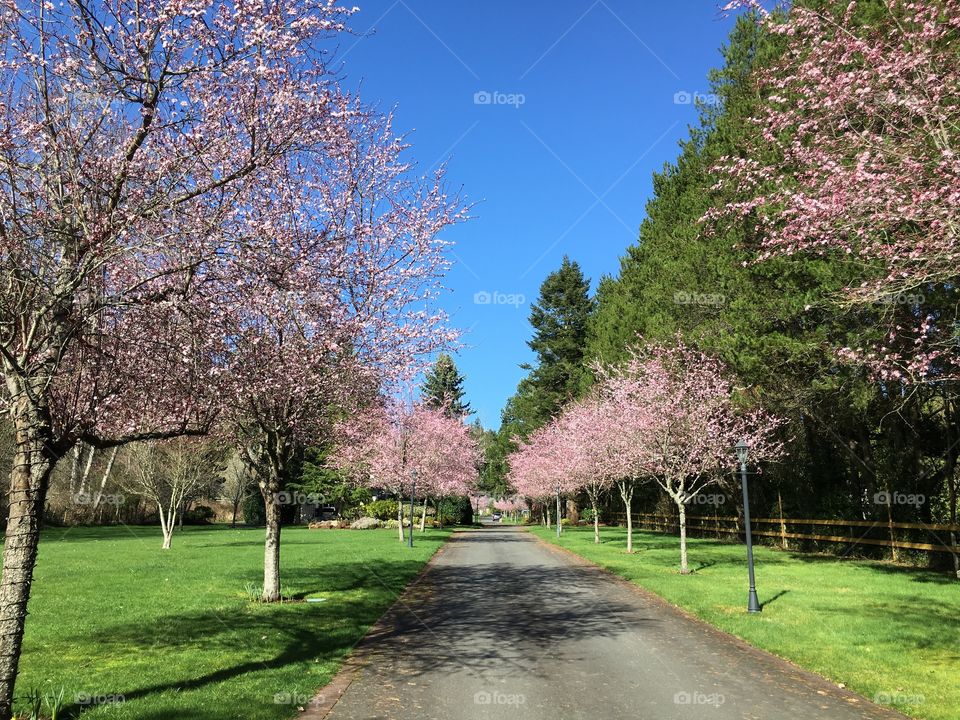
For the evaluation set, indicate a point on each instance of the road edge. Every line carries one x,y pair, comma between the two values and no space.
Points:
327,697
842,692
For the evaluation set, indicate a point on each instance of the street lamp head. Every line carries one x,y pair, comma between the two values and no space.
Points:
741,449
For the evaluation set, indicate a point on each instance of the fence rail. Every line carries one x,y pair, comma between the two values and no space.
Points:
719,524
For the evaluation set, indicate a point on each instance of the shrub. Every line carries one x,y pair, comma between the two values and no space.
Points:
199,515
381,509
587,515
254,512
456,511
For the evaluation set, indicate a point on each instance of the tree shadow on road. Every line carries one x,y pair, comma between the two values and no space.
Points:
498,619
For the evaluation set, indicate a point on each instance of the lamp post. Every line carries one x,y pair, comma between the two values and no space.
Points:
558,508
753,603
413,492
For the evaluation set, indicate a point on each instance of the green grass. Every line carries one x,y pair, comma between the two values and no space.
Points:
885,631
175,634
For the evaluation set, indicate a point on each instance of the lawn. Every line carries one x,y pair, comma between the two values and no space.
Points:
888,632
173,634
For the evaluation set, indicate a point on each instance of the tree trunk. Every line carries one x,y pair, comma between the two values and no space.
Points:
783,525
85,478
549,523
167,518
33,462
596,521
103,481
891,533
626,493
400,518
684,570
559,523
271,549
423,516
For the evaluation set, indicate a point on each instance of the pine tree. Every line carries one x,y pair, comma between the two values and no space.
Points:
560,318
443,388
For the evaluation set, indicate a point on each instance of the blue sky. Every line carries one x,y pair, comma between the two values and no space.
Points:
552,117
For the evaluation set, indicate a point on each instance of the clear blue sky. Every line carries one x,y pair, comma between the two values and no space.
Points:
564,169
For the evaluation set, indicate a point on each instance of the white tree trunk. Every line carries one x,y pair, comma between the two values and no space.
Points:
684,570
596,524
271,549
104,479
626,493
166,524
400,519
423,517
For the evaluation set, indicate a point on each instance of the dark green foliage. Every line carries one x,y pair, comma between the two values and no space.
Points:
254,511
560,319
380,509
455,511
443,388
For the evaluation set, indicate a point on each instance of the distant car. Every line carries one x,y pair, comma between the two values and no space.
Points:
496,517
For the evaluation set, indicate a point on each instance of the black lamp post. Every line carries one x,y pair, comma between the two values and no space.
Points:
413,492
753,603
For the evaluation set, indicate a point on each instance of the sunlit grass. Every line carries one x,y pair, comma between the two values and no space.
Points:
887,632
173,634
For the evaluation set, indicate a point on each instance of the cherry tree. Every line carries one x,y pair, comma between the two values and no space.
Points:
594,432
857,154
540,468
512,505
333,296
690,421
392,445
134,136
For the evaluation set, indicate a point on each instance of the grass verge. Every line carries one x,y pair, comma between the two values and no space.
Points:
128,631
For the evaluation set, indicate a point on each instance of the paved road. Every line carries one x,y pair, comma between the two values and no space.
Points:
504,626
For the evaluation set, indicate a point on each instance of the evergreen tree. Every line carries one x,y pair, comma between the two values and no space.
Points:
443,388
559,319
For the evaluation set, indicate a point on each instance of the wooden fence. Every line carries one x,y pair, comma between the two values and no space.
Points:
856,532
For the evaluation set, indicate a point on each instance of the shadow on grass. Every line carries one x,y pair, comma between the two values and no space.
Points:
773,598
915,574
295,633
454,619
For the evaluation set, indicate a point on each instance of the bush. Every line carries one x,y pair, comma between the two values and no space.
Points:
456,511
587,515
381,509
199,515
254,511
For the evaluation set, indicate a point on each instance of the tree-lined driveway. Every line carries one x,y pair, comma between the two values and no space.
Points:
504,626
